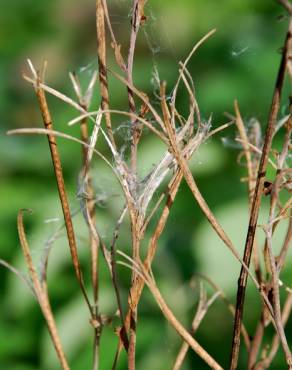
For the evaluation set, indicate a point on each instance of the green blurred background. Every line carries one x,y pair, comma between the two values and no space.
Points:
239,61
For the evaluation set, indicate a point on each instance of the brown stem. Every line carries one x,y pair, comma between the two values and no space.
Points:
137,14
256,343
41,293
251,171
94,243
136,290
266,363
102,64
276,299
62,190
287,242
201,312
242,281
185,335
230,307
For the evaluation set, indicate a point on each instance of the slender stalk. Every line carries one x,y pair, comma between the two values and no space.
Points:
61,189
136,290
266,362
137,13
276,300
252,166
185,335
41,293
94,244
242,281
88,202
287,242
201,312
256,342
102,65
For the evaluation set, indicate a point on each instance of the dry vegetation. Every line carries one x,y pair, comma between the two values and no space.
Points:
182,136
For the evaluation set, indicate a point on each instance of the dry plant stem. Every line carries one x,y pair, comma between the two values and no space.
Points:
152,246
203,205
123,333
269,229
280,171
62,190
229,306
185,335
276,300
257,339
287,242
22,277
137,13
183,65
41,294
136,290
266,363
257,150
143,97
89,202
108,259
201,201
287,5
101,52
257,200
245,140
131,115
251,176
94,243
44,131
117,48
198,318
256,343
133,308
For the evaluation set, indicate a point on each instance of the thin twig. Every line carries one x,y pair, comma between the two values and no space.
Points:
137,14
21,276
201,312
41,294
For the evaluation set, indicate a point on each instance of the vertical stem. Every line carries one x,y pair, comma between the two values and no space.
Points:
276,300
40,290
94,242
134,32
61,189
102,63
137,12
132,305
242,281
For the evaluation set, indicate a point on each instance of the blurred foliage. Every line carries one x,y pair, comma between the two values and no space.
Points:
240,61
